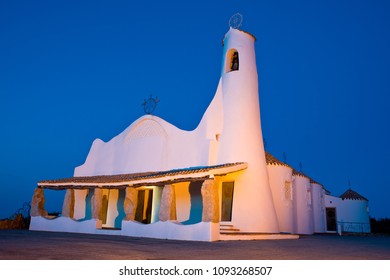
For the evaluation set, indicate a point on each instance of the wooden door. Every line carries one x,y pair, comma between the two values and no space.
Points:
227,201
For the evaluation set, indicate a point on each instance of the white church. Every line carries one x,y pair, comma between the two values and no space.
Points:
213,183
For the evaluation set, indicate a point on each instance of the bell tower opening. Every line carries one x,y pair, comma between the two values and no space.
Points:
231,63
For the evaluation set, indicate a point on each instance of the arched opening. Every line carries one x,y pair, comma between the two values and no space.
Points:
52,199
143,212
196,208
232,61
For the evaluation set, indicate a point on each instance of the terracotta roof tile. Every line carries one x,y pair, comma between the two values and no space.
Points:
300,173
271,160
350,194
107,179
312,181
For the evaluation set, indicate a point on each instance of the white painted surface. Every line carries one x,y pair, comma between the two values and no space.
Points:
279,176
64,224
149,144
354,216
80,204
351,215
162,230
241,138
303,210
318,195
171,230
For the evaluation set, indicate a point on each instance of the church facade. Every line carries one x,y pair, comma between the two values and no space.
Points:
213,183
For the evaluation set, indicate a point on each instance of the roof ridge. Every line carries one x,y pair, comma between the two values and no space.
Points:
140,175
271,160
352,195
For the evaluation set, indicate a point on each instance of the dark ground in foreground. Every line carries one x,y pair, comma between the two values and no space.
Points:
35,245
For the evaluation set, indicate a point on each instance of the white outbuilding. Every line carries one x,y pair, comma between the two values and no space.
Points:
347,213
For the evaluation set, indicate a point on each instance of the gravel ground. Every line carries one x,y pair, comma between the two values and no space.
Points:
36,245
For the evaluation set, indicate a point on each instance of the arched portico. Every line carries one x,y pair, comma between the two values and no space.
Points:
143,202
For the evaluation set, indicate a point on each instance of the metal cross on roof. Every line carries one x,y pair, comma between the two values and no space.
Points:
150,104
235,21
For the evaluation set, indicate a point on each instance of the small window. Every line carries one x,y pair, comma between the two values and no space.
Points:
287,190
232,61
308,197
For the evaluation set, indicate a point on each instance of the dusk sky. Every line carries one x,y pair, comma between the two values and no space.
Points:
72,71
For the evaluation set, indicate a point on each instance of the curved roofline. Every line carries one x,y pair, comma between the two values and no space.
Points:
271,160
312,181
250,34
300,173
246,32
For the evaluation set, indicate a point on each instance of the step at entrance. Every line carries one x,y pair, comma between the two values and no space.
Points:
228,229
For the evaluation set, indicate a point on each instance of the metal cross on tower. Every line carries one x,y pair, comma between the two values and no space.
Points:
150,104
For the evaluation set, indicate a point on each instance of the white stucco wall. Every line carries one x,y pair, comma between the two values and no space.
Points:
303,208
163,230
80,204
241,138
318,195
351,215
280,178
354,216
64,224
332,201
149,144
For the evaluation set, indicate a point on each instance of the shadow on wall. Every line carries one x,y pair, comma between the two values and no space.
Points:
196,203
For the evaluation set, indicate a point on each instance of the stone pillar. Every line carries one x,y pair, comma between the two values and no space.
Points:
210,201
130,203
38,203
97,204
68,206
168,204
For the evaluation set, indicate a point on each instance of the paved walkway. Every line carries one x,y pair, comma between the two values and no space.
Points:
34,245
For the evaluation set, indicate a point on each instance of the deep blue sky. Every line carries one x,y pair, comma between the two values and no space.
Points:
73,71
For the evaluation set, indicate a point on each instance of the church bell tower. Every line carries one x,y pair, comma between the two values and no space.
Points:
241,137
